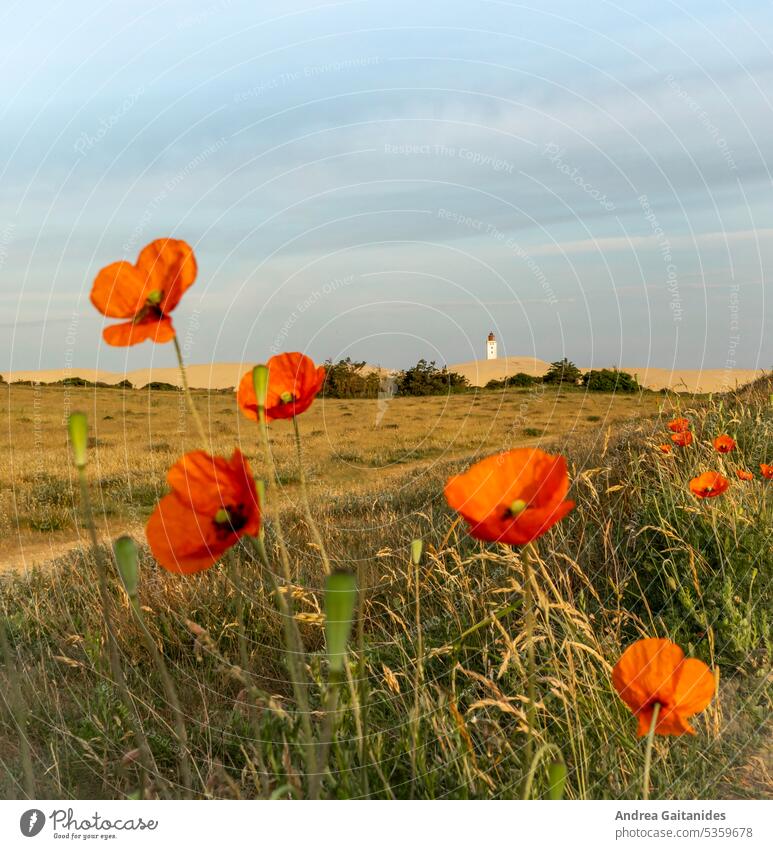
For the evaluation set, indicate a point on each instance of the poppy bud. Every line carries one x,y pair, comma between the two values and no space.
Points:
340,598
417,546
125,550
260,383
556,780
78,428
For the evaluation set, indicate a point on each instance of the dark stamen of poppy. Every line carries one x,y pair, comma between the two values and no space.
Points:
230,520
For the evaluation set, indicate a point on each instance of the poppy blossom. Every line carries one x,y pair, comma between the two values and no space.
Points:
680,425
145,292
767,471
724,444
655,671
709,485
212,505
682,438
743,475
512,497
293,383
665,448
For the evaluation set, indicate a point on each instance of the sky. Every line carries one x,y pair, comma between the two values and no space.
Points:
392,180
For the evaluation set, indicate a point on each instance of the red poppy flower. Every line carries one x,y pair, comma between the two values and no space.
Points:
743,475
293,383
655,671
724,443
665,448
767,471
145,292
212,505
683,438
512,497
709,485
679,425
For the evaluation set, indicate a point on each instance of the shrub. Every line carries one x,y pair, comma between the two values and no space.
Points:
518,379
610,380
345,379
427,379
562,371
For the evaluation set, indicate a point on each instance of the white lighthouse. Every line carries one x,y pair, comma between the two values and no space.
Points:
491,347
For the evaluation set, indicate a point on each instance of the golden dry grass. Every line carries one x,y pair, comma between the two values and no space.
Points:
350,446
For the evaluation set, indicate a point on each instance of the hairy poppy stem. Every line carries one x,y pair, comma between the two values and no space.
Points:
645,793
306,505
531,668
187,391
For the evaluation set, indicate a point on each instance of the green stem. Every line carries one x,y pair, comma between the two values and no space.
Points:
531,669
187,391
645,793
419,671
328,726
112,644
305,498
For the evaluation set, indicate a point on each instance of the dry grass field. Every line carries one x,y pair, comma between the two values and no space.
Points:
433,705
350,447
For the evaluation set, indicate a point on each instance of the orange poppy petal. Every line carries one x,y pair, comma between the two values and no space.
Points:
170,267
182,540
695,687
208,483
119,290
132,333
245,397
767,471
645,673
709,485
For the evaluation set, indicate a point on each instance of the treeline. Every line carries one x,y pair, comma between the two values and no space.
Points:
566,372
348,379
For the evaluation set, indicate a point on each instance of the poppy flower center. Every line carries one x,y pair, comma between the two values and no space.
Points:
154,297
230,520
516,508
287,397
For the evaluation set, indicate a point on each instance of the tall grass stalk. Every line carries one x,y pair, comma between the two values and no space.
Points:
313,527
19,713
189,395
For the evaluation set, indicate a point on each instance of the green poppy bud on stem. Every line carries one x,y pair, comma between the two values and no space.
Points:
260,383
78,428
340,601
125,550
417,546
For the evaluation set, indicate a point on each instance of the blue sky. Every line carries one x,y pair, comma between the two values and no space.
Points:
392,180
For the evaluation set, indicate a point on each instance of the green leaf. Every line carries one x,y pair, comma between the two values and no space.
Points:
340,600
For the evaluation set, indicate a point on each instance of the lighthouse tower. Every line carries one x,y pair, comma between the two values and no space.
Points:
491,347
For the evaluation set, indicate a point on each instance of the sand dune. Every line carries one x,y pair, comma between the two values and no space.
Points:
478,372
